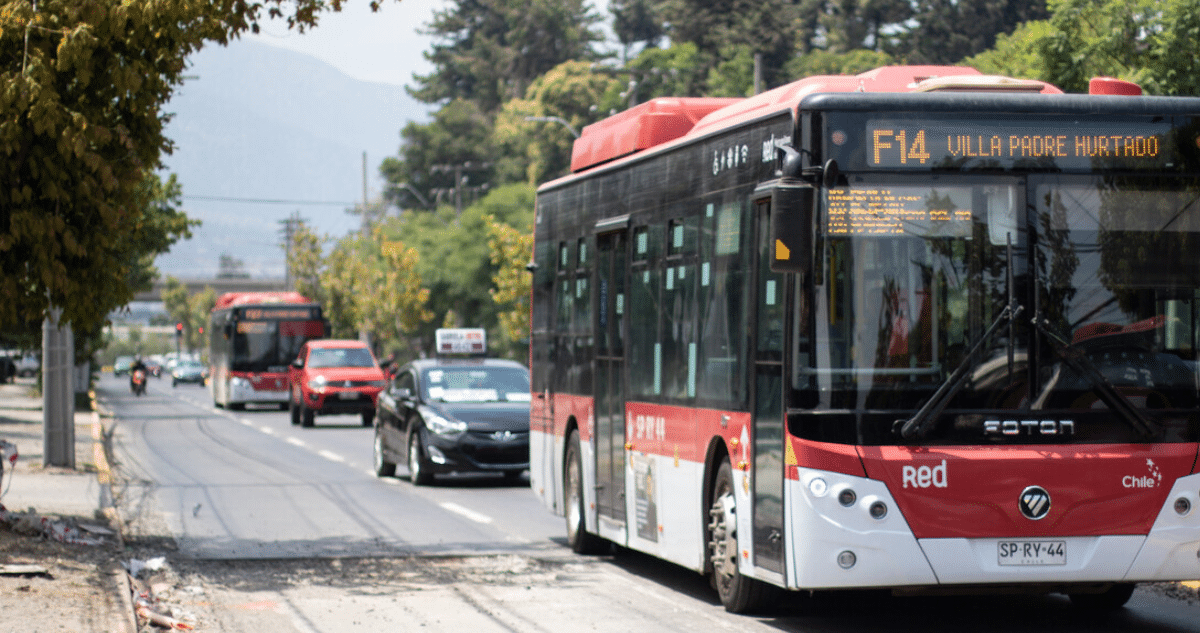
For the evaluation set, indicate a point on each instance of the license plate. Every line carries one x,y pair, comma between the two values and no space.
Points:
348,395
1032,552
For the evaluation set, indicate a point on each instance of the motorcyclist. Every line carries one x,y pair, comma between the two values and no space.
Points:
138,364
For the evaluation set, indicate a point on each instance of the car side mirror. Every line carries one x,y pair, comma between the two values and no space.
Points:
298,363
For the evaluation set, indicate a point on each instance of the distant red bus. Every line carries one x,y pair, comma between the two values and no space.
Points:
252,339
919,329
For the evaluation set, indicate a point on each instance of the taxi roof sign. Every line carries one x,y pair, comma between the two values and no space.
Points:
461,341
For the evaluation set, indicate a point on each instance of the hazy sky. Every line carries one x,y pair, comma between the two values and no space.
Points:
382,46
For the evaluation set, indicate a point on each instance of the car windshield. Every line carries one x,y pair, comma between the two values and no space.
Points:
477,384
188,365
123,361
341,357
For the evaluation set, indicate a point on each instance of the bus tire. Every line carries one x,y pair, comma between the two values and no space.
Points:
383,468
1110,599
738,593
574,505
418,464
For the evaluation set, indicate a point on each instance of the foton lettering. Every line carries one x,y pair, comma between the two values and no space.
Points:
1029,427
924,476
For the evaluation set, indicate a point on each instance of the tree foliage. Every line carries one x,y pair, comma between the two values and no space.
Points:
460,135
489,51
82,89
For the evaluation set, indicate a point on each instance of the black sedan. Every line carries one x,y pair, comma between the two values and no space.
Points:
462,415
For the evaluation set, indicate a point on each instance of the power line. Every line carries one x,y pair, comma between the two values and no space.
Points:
271,201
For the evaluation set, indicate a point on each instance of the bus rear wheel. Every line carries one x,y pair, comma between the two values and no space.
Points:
738,593
581,541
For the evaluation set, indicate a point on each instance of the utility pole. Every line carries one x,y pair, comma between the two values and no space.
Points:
289,227
460,180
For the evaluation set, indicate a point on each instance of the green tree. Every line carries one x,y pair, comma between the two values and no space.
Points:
946,31
731,32
305,260
84,85
459,135
455,261
636,22
489,51
818,62
511,251
536,151
1152,43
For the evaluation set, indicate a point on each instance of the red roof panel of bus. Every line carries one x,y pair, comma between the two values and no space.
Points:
666,119
258,298
640,127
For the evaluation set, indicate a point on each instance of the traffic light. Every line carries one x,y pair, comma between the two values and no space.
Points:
179,329
201,330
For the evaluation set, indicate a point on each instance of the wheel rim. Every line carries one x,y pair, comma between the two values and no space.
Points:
414,457
722,540
574,502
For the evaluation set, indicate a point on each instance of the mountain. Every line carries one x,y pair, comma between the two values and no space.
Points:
256,123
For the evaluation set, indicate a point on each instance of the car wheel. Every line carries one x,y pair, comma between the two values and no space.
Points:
306,415
580,540
294,412
368,418
383,468
418,466
174,383
738,593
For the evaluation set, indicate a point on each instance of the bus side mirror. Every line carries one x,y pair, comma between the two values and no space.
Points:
792,206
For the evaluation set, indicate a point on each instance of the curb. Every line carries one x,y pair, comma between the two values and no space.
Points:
108,506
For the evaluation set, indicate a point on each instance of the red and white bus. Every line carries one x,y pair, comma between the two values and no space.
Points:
919,329
253,338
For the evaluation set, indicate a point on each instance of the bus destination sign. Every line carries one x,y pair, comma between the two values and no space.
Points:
278,314
915,144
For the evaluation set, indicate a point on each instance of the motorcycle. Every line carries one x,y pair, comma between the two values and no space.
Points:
137,382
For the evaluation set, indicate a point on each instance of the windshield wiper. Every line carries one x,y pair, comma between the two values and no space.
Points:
926,417
1077,359
923,420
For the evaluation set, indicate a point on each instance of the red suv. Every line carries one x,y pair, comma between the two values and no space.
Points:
334,376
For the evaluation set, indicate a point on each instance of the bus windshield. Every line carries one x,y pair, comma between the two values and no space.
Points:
913,273
268,346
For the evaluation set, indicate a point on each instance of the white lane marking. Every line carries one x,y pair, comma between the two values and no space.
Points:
470,514
331,456
295,441
268,430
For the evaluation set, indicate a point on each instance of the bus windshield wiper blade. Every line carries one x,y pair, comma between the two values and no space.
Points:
923,420
1076,359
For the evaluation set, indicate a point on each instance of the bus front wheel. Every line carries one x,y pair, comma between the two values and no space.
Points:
574,505
738,593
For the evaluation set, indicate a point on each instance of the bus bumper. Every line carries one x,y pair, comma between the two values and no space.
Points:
832,546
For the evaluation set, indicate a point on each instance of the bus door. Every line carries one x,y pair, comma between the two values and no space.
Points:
611,264
767,399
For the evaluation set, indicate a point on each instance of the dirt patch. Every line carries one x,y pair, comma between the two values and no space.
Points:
75,590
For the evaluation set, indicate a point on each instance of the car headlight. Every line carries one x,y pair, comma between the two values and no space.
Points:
441,425
318,384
